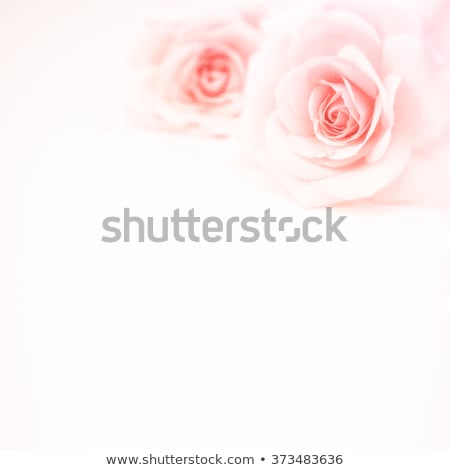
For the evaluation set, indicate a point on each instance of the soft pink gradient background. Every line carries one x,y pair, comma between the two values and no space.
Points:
191,346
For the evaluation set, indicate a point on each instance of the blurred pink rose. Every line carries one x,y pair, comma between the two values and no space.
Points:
195,69
342,99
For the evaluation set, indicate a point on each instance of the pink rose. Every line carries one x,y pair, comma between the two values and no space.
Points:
343,99
195,70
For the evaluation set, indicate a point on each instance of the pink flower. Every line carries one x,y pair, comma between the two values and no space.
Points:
342,99
195,70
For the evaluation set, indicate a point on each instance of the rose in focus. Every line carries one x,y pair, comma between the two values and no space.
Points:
195,70
343,98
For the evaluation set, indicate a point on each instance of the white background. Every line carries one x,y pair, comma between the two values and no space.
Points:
191,347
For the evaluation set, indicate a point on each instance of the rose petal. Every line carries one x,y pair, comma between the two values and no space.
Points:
380,141
292,97
428,83
365,179
281,154
228,29
259,98
387,17
331,32
310,147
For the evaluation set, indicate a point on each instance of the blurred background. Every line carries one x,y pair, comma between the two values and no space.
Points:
184,346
